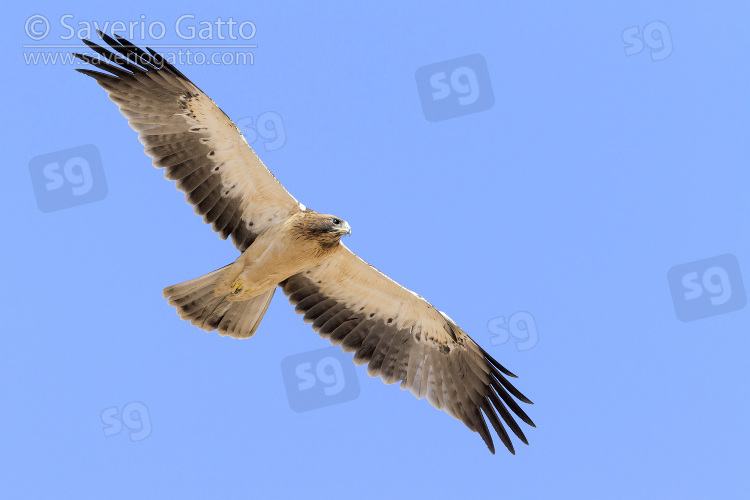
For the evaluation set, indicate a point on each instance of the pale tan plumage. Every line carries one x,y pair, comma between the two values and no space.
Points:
400,335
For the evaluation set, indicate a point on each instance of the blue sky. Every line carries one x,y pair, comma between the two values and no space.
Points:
568,182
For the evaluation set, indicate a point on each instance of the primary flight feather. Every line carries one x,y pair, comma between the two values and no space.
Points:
397,333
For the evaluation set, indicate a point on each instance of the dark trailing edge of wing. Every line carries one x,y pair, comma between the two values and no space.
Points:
379,343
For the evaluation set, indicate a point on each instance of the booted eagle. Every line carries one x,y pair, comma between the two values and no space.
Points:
397,333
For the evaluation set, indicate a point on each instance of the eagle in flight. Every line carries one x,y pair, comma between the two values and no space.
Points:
397,333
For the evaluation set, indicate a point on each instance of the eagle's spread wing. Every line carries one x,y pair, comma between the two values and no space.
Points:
187,134
404,338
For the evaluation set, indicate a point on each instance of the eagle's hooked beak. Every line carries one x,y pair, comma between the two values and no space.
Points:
347,228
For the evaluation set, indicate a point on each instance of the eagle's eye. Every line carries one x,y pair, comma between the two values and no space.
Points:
336,222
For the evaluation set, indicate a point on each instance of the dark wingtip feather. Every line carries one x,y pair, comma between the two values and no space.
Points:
126,60
165,64
96,75
507,417
110,41
498,365
500,389
502,381
509,446
119,63
90,44
484,431
489,405
125,48
101,65
487,439
141,55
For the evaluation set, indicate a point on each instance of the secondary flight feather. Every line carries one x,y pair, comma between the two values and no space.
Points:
397,333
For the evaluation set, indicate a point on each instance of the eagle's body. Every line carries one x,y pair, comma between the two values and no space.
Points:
284,249
397,333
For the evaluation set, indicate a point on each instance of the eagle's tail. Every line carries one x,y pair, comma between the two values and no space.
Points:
197,302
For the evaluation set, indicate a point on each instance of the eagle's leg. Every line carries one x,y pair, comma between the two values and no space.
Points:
237,284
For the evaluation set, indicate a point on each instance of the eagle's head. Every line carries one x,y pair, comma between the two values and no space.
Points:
327,229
